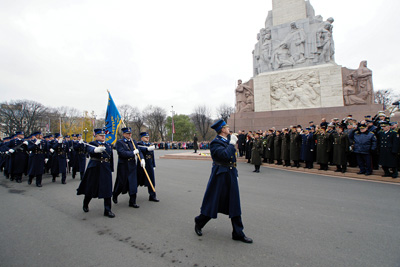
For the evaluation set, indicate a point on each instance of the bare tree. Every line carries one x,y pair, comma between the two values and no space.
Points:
138,122
201,118
127,112
385,97
224,111
24,115
155,118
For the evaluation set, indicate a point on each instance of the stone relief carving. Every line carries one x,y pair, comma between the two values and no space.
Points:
302,43
357,87
244,96
299,90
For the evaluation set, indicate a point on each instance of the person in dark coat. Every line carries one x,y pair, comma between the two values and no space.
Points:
59,163
5,156
256,152
126,181
295,146
323,148
147,150
249,146
17,148
285,149
269,149
307,148
278,147
97,180
195,145
38,151
340,147
241,143
79,157
388,146
364,142
222,193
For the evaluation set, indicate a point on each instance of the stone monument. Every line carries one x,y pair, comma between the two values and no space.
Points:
294,68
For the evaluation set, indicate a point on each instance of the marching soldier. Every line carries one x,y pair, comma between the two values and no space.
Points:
38,151
60,148
388,146
79,164
340,149
19,157
222,193
6,156
97,180
126,181
49,157
148,154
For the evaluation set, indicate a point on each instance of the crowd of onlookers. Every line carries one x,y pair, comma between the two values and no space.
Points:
368,144
182,145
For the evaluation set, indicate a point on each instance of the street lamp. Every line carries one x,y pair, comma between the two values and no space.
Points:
85,132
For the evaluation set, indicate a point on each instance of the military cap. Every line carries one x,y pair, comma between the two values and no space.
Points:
383,123
298,126
37,133
308,129
99,131
218,125
77,135
144,134
19,132
56,135
311,122
67,136
126,130
363,126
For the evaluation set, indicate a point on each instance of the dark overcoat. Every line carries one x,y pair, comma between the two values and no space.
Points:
37,155
126,180
222,192
256,152
307,147
295,146
195,145
79,157
249,147
323,147
97,180
388,148
285,150
18,159
269,146
59,161
150,165
278,146
340,145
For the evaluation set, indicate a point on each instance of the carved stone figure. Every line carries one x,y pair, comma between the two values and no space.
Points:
357,88
295,41
256,56
350,97
266,50
244,96
325,43
363,76
282,57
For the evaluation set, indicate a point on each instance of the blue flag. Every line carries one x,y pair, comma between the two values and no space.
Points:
113,121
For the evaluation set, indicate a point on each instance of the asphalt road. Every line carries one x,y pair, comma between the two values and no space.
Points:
295,219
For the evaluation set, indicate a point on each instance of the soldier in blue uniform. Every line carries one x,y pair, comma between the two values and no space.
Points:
388,148
79,158
126,181
38,151
97,180
19,156
6,156
59,162
147,150
222,192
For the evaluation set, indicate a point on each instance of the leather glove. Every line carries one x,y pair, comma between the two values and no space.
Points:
151,148
37,142
136,151
25,142
143,163
81,141
233,139
99,149
11,150
46,160
60,140
51,150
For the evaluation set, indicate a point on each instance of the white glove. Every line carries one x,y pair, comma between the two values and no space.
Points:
7,152
46,160
151,148
11,150
37,142
154,169
67,160
25,142
60,140
99,149
136,151
143,163
81,141
233,139
51,150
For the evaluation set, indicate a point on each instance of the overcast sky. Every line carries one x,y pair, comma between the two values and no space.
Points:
177,53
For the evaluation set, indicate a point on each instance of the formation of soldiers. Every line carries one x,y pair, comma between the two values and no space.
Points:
35,155
368,144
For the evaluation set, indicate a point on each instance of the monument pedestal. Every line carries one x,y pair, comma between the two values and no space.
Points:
251,121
